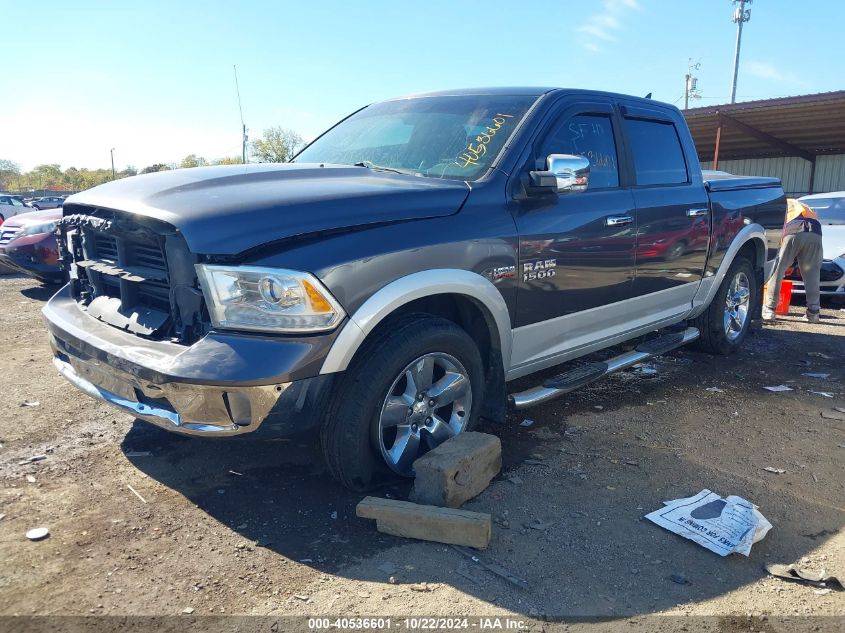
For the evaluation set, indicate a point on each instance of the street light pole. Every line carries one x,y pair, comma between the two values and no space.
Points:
112,162
740,16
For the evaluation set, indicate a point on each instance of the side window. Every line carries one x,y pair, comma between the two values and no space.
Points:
590,136
4,200
16,203
658,156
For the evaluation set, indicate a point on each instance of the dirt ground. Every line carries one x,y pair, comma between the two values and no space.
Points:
255,526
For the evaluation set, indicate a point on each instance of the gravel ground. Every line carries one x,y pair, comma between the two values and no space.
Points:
255,526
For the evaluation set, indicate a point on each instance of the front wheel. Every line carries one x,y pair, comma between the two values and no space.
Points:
415,385
725,323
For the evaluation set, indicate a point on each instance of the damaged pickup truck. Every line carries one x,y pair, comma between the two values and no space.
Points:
388,284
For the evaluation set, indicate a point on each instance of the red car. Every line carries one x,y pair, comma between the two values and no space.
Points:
28,244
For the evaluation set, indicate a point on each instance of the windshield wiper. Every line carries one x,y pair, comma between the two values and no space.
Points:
370,165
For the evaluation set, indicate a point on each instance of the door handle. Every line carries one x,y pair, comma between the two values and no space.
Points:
697,212
618,220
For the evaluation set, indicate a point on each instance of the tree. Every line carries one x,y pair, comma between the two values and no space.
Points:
72,178
192,160
276,145
154,168
9,170
44,176
229,160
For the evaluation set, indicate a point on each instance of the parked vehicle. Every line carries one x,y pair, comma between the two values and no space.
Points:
28,245
48,202
830,208
388,284
10,206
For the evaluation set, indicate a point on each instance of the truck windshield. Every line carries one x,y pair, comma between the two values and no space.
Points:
455,137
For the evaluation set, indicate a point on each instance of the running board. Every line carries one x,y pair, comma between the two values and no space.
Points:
580,376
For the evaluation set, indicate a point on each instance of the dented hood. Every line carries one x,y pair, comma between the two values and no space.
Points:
230,209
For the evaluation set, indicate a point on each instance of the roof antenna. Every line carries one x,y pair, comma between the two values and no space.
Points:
648,96
240,108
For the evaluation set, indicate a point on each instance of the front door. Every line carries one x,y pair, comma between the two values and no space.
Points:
576,250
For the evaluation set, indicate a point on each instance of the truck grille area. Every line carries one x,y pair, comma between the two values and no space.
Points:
7,235
133,273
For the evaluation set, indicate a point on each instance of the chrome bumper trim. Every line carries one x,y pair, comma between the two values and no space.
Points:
225,411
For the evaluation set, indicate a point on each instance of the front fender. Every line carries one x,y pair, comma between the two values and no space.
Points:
415,286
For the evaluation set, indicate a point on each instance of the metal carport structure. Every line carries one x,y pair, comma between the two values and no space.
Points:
800,140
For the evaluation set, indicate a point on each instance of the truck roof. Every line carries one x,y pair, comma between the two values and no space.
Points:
529,91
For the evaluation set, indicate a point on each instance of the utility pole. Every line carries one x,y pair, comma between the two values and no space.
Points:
691,83
111,151
243,148
740,16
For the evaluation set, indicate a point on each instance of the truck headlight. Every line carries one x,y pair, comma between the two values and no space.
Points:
267,299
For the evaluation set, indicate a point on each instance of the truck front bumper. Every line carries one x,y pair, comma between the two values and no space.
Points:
224,384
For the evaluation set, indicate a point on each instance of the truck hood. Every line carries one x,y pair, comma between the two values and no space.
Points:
230,209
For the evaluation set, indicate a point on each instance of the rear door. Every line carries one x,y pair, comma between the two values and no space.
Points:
673,209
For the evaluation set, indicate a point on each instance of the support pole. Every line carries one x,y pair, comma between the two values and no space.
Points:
812,175
718,142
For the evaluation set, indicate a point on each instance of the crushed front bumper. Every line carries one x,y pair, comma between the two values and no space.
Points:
189,409
224,384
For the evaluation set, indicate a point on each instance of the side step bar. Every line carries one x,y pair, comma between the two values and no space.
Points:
580,376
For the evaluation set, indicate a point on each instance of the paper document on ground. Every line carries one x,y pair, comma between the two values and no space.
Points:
721,525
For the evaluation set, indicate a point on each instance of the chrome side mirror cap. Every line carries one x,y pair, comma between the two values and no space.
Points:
572,172
564,173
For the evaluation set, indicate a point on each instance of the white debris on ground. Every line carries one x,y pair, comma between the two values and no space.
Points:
724,526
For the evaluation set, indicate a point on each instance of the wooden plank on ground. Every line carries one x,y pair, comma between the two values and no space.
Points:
428,523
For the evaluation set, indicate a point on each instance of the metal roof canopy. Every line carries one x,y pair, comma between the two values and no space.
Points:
804,126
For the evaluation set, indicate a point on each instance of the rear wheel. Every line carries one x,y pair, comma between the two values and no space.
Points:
412,387
725,323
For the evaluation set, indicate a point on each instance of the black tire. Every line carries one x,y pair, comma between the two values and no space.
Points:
714,338
349,433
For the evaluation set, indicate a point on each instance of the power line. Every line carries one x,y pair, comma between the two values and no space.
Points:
241,110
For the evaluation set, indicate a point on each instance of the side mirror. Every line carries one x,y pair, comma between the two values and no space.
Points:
565,173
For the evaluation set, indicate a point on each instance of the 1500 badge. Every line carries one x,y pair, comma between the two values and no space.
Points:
540,269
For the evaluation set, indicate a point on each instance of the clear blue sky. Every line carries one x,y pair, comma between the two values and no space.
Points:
154,78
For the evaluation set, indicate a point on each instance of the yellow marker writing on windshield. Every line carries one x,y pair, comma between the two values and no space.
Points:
472,153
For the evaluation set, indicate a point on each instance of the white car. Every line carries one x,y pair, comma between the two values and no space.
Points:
830,207
11,205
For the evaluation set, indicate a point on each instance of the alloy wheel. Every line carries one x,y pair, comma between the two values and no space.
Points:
429,402
736,305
